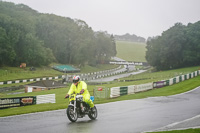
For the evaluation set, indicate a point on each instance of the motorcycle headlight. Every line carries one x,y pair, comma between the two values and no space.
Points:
80,99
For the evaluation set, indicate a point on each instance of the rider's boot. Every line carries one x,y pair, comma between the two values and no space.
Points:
93,109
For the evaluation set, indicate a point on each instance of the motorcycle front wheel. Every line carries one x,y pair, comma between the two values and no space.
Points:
73,116
93,113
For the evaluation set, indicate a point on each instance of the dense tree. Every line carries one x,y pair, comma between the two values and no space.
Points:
39,39
7,53
192,45
177,47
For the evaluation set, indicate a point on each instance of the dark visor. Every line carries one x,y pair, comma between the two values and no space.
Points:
75,81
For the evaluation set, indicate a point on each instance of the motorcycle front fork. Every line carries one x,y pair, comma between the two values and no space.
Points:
74,106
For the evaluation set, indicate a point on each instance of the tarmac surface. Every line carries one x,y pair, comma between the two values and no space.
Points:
130,116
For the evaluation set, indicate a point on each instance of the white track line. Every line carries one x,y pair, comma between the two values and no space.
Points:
174,124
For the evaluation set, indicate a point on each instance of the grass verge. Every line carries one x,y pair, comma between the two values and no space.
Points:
180,131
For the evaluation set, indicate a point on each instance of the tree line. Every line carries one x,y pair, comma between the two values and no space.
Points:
40,39
177,47
131,38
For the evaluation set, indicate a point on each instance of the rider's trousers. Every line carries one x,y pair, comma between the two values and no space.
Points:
86,98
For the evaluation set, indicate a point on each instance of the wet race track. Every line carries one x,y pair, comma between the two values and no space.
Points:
131,116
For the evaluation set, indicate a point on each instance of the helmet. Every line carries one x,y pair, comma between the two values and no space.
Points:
76,79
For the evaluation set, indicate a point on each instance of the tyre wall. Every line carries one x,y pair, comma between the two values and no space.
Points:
132,89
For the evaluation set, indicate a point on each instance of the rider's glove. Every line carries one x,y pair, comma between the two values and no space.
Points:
82,91
67,96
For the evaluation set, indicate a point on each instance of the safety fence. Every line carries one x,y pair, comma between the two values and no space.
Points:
132,89
101,92
28,100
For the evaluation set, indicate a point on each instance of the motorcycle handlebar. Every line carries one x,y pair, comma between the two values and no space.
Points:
69,95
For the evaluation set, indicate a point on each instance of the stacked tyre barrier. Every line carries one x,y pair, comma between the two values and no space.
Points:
181,78
132,89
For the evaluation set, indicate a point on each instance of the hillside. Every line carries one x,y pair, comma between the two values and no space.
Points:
131,51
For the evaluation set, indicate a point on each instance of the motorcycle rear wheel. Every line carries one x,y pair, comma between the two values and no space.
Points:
72,116
93,114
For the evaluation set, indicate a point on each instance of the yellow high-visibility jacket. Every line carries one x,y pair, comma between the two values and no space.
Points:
76,89
86,95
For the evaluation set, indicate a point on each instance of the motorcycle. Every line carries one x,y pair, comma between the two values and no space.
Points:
77,108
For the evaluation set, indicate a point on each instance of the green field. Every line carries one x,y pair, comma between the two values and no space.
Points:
131,51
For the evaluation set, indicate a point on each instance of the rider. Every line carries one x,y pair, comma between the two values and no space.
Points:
80,87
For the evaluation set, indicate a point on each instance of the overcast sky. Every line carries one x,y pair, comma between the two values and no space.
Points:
145,18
